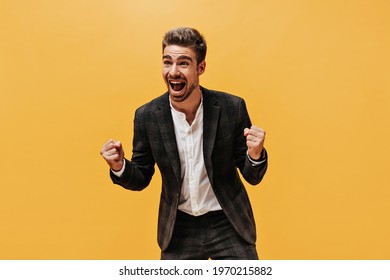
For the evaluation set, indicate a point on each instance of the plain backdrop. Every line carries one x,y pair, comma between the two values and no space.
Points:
314,74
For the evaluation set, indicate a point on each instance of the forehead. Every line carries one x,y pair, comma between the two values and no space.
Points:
175,51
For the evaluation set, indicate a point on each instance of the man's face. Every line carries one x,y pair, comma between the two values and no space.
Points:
181,71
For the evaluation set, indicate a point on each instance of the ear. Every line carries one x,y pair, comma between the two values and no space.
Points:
201,67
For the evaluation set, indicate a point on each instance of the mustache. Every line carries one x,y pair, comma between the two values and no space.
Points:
169,77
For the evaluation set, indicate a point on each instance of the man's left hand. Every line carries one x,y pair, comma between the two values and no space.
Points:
255,137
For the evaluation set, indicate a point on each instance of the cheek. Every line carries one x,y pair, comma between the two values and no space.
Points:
164,73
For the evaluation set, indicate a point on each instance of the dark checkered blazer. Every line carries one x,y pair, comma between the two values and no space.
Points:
224,147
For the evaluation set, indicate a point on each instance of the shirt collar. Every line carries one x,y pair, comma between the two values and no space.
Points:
200,108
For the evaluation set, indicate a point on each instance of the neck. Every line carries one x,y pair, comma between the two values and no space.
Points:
190,105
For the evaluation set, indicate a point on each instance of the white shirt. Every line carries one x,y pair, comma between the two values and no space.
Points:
197,196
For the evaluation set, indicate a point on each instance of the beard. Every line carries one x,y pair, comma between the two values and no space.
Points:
184,95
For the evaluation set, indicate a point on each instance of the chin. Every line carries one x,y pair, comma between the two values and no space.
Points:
179,98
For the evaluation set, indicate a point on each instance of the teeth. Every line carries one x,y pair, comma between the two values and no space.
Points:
177,85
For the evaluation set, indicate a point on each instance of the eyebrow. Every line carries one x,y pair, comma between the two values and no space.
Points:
184,57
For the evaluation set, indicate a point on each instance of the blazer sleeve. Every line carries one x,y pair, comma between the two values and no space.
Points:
252,174
139,171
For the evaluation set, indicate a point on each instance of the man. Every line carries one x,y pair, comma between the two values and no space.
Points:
198,138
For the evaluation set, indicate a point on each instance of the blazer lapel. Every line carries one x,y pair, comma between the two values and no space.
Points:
211,112
165,123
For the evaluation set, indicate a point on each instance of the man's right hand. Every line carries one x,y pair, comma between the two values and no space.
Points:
113,153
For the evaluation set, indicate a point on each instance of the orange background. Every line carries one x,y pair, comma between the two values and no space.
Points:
315,75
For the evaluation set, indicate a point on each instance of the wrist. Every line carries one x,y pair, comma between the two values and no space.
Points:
255,156
117,166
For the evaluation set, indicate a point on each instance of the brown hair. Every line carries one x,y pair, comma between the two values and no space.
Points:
186,37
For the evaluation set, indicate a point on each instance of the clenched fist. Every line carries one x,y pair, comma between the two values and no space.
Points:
113,153
255,137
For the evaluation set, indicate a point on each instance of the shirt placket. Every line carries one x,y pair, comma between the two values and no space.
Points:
191,171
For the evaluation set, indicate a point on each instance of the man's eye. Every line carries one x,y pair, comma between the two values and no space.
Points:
184,63
166,62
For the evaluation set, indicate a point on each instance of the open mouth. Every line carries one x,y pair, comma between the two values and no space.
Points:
177,86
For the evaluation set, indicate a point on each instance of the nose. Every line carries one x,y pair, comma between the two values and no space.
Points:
174,71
